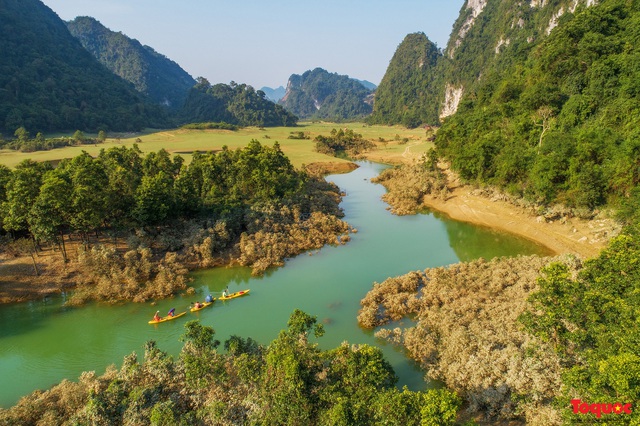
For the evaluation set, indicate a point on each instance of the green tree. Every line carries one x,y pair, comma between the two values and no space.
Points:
291,373
21,192
51,209
123,167
154,199
22,135
88,197
5,177
79,137
199,356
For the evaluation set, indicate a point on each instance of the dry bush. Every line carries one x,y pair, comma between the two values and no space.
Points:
274,235
63,404
408,185
109,276
468,335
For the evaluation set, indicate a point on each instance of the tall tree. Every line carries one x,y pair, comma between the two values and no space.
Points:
51,209
21,192
88,198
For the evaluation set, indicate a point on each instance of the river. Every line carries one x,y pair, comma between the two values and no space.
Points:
43,342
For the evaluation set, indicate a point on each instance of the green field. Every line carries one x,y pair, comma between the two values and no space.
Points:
184,142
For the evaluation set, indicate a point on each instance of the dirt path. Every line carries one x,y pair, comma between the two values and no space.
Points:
407,154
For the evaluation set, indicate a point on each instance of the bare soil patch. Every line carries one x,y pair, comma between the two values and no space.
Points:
19,283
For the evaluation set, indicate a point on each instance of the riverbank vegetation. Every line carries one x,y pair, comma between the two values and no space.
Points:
519,338
407,185
289,381
467,334
248,206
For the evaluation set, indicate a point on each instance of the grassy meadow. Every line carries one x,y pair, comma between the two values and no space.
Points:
399,143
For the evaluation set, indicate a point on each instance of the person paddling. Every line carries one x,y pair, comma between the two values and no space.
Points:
208,299
157,316
171,312
225,293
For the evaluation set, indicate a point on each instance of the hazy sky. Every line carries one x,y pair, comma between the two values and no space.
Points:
263,42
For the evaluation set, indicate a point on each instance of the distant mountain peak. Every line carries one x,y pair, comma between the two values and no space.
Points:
274,95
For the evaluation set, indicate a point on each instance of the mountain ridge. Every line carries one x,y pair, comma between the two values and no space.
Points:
152,73
50,82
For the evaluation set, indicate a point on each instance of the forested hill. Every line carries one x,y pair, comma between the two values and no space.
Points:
48,81
412,87
237,104
322,95
153,74
539,98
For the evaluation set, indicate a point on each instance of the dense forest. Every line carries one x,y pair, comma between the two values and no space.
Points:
289,381
152,74
319,94
557,123
49,82
539,100
233,103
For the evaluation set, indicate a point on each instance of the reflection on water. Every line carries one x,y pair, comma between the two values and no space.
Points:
472,242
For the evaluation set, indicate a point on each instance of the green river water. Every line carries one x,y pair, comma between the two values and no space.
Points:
43,342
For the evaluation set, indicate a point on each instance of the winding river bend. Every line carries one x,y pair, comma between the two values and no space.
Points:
43,342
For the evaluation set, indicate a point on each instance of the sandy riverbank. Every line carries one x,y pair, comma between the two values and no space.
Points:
585,238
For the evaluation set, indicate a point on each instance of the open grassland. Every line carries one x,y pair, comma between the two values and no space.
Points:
394,143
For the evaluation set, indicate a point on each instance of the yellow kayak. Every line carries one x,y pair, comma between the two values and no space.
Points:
163,319
234,295
204,305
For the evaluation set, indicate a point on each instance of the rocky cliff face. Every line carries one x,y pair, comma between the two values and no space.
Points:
411,90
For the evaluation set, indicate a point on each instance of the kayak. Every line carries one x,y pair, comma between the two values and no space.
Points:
234,295
164,319
204,305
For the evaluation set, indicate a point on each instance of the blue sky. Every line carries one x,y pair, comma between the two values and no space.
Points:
263,42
